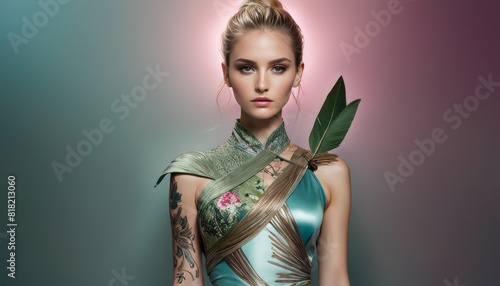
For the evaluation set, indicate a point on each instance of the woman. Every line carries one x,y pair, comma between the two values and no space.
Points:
252,205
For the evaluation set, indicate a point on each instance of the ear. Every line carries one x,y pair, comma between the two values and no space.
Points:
298,76
225,74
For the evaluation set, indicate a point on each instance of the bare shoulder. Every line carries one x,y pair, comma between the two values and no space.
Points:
335,179
189,185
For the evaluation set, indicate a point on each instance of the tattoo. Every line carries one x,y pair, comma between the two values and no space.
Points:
273,169
182,238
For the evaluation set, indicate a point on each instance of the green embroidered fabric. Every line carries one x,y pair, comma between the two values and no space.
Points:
241,146
220,215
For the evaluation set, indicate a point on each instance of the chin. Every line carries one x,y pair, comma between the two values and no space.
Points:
264,115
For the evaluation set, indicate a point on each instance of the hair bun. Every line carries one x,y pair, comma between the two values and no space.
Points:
263,15
262,3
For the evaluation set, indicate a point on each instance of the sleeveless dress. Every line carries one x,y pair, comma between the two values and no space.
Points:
278,253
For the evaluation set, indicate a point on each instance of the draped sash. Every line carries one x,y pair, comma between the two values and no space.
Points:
288,247
262,211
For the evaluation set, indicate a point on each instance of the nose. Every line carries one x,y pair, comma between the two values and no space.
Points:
262,84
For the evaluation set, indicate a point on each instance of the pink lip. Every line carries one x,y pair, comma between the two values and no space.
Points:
262,101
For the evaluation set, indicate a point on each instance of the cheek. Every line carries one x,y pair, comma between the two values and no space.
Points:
239,91
284,85
239,83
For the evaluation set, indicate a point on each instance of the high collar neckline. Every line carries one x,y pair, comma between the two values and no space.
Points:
244,140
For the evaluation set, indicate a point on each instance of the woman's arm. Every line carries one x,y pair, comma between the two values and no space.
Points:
186,241
332,242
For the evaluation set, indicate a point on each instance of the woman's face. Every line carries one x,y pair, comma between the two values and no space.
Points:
262,72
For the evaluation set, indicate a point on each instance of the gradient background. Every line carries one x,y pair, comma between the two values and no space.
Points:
441,224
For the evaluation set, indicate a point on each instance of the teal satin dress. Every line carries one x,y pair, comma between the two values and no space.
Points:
217,216
307,204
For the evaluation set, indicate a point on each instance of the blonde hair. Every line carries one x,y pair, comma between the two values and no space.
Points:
262,15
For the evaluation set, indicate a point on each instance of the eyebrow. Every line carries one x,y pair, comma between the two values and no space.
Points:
271,62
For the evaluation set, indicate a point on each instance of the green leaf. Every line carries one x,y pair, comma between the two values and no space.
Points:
337,131
333,120
334,103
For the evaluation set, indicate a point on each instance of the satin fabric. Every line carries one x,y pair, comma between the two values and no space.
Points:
307,204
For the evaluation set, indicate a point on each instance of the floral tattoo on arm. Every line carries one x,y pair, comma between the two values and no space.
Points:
182,239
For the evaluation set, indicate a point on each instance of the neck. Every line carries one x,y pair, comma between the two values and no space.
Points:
261,128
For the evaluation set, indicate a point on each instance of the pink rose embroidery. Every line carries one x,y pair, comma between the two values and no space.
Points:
229,200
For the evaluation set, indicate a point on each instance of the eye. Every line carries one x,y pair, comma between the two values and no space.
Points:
245,69
279,69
